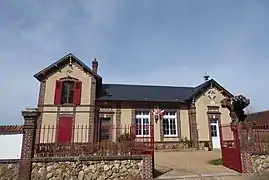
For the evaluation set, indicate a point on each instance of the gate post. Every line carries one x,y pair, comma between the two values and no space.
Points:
235,130
28,141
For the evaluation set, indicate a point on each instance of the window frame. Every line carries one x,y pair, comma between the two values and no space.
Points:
139,114
74,84
77,92
106,125
169,117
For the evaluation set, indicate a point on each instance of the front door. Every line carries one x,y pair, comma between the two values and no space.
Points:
106,129
214,125
64,130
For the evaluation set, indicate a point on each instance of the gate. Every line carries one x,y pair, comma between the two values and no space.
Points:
230,147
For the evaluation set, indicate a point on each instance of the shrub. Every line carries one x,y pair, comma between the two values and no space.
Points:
126,137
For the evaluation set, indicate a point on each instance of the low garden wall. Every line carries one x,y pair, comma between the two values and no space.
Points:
259,162
180,146
131,167
82,168
9,169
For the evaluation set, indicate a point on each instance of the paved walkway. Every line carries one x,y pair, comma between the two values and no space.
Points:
191,163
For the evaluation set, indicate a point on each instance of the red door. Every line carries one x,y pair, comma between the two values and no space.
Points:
65,130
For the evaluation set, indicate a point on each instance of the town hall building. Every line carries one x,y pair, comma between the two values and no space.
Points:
73,95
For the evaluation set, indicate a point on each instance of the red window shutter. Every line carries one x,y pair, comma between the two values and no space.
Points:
77,92
58,92
64,130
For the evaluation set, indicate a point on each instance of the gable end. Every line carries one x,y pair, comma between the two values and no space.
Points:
58,65
197,91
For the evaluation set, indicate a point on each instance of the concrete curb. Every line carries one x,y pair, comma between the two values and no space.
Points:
198,176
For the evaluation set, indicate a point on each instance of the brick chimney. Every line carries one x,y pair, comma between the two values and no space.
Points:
95,65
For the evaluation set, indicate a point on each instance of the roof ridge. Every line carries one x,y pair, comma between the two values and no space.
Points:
148,85
253,113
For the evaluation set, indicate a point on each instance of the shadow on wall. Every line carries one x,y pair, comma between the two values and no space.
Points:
10,146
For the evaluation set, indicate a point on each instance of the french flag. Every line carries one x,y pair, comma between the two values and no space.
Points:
161,112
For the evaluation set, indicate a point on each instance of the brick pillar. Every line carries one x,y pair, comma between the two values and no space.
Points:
246,162
118,121
28,141
93,110
147,171
193,126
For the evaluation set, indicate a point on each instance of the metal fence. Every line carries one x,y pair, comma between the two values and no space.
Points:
244,137
254,138
111,141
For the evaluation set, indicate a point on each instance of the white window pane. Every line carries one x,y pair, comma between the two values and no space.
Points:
165,126
143,120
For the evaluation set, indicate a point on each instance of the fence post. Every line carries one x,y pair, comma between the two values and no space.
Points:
236,135
28,141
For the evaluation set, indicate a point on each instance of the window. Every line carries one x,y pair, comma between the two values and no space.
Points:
170,124
214,132
142,121
214,127
106,129
105,121
67,92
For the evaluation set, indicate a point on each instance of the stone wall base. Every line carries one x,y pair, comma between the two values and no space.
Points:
260,163
99,168
179,146
9,170
117,169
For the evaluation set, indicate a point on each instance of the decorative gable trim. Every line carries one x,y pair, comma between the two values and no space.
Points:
201,89
43,74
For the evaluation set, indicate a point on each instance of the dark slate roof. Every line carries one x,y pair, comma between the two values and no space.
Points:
144,93
123,92
61,62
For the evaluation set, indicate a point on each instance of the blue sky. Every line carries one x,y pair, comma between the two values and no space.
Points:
141,42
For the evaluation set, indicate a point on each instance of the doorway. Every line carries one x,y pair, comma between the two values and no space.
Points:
214,125
106,128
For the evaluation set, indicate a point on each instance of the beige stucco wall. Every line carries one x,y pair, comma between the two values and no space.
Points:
201,109
126,117
81,127
47,131
185,127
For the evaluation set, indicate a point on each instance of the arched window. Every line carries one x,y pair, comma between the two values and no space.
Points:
67,91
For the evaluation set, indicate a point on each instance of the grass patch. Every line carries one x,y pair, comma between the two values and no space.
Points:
215,162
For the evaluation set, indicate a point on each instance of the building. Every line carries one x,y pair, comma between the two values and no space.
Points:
259,118
73,95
